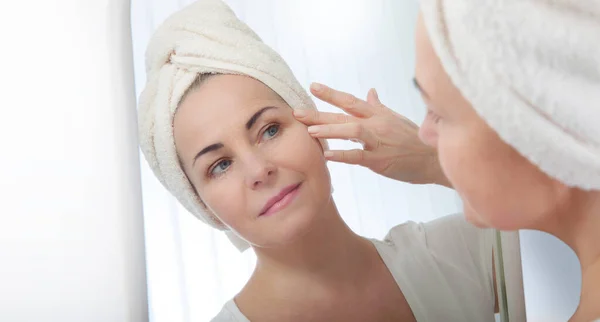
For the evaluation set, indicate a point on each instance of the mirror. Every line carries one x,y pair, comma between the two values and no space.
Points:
509,277
352,46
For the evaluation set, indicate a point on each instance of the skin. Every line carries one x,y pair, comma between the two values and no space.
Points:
310,265
499,187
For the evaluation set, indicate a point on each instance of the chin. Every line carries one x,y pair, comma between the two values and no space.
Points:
292,224
475,220
492,219
478,219
289,228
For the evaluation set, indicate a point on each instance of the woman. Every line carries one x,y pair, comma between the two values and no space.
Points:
217,128
512,91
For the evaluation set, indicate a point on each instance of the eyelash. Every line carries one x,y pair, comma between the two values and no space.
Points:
211,169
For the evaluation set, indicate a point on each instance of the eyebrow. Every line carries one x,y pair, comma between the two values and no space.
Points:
256,116
249,124
418,87
210,148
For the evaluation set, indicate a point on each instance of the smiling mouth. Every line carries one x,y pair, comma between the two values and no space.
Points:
281,200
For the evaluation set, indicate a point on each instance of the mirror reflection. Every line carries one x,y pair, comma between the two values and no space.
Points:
343,161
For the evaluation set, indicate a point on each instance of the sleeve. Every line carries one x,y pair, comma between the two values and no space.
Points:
230,313
463,245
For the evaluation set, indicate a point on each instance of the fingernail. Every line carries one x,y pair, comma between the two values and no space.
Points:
375,93
299,113
316,87
313,129
328,154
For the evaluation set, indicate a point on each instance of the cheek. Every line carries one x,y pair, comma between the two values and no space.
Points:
217,197
499,187
299,157
300,153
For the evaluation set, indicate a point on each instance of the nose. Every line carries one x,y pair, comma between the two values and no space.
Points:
427,131
259,170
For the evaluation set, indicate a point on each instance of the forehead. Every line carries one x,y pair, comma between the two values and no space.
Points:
428,68
226,91
222,102
429,71
225,97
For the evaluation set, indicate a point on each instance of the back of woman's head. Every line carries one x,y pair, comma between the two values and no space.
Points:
531,70
512,88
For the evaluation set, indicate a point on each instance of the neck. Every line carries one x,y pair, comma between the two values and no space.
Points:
578,225
329,253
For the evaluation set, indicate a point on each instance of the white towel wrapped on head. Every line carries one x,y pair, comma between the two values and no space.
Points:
204,37
531,69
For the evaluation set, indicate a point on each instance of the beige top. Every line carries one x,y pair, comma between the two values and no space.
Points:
443,267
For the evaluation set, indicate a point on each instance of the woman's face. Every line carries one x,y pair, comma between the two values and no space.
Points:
251,162
499,187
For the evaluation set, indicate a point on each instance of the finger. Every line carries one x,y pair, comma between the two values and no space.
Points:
373,97
356,156
347,131
314,117
347,102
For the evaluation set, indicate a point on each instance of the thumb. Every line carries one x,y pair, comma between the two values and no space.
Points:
373,98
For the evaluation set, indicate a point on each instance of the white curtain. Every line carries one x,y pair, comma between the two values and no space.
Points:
349,45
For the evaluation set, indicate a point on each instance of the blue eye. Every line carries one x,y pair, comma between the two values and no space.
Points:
271,131
220,167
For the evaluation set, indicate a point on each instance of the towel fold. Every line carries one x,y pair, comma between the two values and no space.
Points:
531,69
204,37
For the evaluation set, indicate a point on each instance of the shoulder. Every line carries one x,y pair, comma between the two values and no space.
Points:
451,235
443,267
449,239
230,313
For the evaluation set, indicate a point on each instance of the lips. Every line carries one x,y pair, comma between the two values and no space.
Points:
280,200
